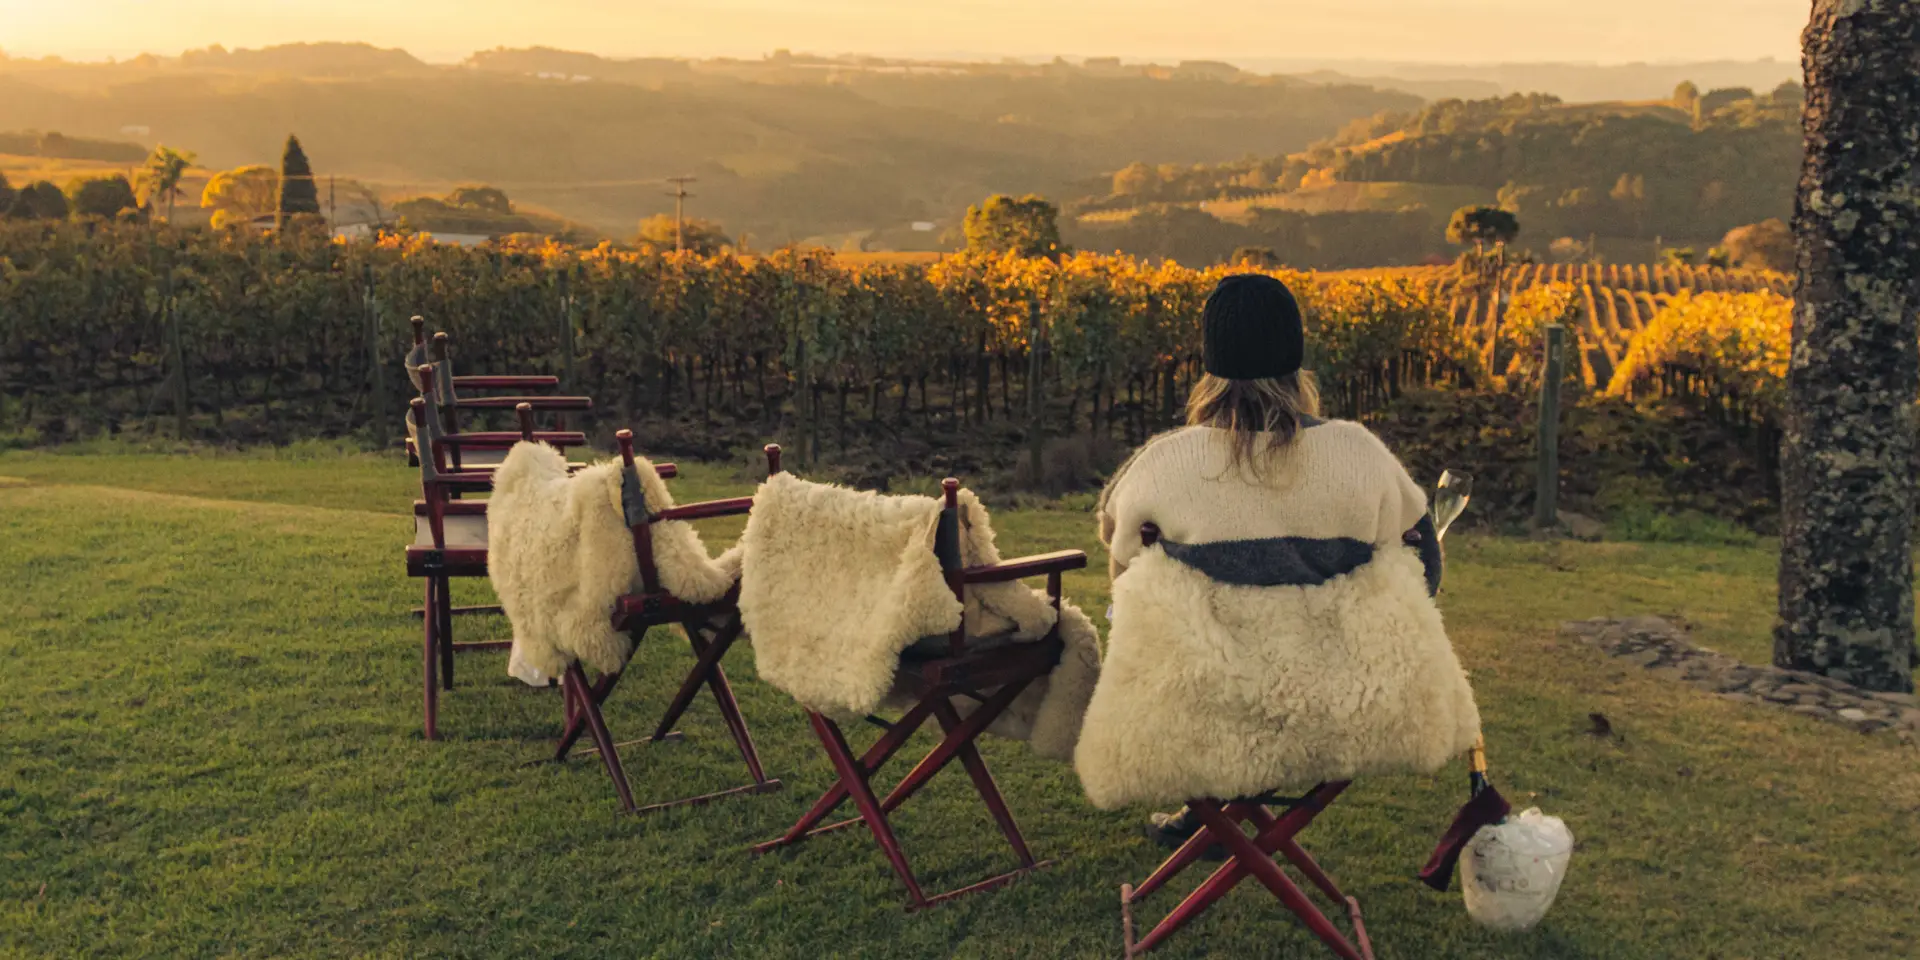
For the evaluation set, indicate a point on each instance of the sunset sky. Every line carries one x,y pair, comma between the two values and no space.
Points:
1455,31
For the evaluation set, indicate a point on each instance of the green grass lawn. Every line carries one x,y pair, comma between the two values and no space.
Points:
210,746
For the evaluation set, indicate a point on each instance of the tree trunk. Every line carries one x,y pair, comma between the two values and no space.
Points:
767,413
1036,399
982,379
1167,393
1846,564
1006,388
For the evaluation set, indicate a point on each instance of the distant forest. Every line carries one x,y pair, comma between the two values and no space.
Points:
868,153
1639,175
784,149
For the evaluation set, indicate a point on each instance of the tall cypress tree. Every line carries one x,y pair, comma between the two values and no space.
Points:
297,192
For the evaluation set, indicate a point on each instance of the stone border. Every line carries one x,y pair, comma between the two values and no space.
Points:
1660,646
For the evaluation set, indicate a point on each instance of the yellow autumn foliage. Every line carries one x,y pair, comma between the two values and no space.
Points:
1728,348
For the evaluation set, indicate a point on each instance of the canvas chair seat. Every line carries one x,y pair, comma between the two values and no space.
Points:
939,646
462,532
482,458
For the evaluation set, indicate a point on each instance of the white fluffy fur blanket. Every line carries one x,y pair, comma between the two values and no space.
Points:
835,583
1211,690
560,553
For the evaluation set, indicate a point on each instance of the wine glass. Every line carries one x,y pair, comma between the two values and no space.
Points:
1450,499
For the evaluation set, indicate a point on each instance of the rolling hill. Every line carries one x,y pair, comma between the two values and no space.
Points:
783,148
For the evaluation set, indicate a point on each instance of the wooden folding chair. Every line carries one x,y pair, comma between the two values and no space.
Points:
449,541
1251,856
933,682
444,392
711,630
1220,825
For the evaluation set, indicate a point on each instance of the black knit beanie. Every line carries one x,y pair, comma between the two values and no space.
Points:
1252,329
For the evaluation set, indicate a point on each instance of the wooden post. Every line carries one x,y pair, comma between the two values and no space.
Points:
374,359
178,359
1036,392
803,393
1547,481
566,327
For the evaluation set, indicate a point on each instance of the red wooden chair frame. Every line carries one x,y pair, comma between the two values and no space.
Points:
933,683
441,552
711,630
1251,856
446,398
1248,856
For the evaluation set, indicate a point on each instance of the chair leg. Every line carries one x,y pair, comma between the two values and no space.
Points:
446,633
576,717
949,747
706,657
1216,886
1298,856
1260,863
430,705
736,723
855,780
875,757
597,726
1186,856
983,783
1272,831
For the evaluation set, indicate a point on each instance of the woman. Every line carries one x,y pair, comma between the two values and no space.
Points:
1281,629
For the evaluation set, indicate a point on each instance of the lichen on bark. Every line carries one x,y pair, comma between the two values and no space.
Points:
1847,486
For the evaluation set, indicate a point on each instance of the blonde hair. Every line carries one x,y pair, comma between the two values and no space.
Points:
1247,408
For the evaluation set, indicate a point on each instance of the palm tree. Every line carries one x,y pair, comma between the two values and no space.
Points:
161,176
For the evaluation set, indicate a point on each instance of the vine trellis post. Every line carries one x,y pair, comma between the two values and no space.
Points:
375,364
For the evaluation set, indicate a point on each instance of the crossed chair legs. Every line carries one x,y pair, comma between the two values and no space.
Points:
856,782
1251,856
710,640
1221,821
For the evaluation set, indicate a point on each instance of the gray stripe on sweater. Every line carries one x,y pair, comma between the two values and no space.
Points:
1273,561
1297,561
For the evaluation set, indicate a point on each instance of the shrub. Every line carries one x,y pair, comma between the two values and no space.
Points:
1069,465
1518,351
101,196
1725,351
38,200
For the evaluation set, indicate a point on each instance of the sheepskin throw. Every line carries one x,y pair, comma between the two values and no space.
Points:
1280,634
560,554
835,583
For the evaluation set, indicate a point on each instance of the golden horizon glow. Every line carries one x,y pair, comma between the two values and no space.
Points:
1260,32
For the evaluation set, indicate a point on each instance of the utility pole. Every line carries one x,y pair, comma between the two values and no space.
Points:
680,195
332,222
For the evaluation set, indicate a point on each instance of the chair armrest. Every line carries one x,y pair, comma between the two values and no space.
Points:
735,507
502,439
1024,567
666,471
537,403
510,382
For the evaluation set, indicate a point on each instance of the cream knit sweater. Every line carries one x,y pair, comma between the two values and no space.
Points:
1281,633
1336,480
